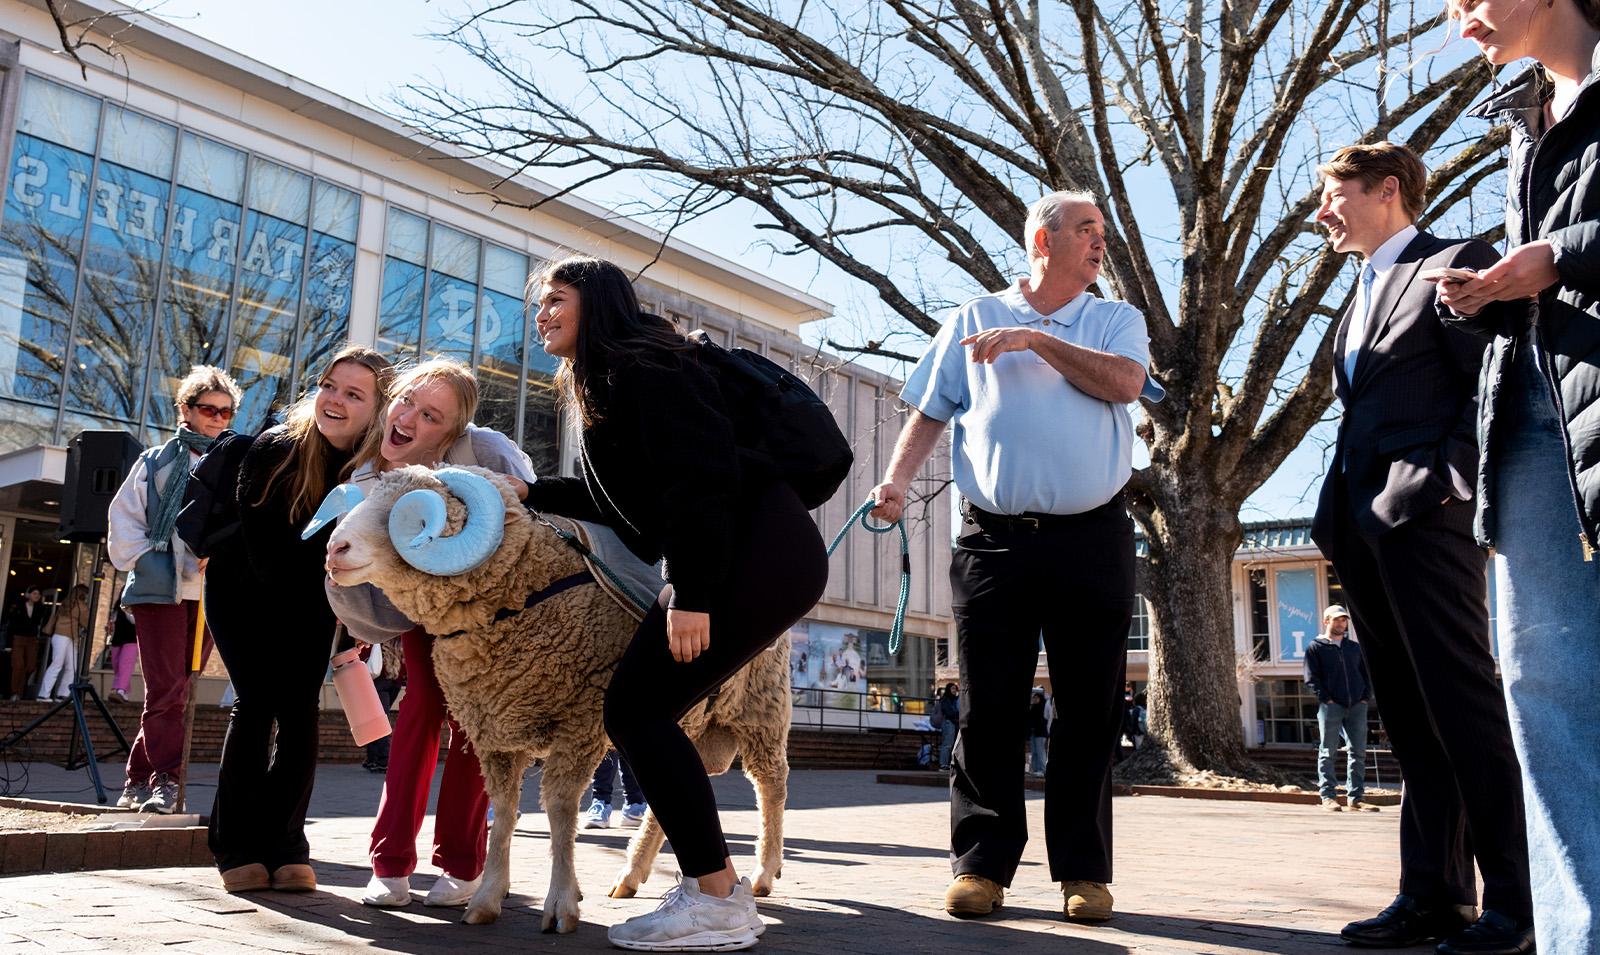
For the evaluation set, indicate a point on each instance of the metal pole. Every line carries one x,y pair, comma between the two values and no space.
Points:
188,712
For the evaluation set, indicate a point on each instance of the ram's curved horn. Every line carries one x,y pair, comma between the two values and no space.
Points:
418,518
339,502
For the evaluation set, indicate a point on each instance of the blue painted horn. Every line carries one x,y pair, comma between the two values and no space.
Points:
339,502
419,517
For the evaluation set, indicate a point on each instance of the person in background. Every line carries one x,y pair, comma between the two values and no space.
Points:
274,629
388,680
26,627
1336,673
605,780
1038,732
949,706
121,637
164,583
68,626
428,422
1538,497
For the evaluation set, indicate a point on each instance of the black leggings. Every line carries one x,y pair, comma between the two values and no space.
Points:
777,569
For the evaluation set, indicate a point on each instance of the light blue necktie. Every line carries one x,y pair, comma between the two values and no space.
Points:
1358,322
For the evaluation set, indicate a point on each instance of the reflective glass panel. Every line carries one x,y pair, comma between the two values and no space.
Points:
46,205
326,322
202,251
59,114
268,299
400,299
116,312
452,295
501,333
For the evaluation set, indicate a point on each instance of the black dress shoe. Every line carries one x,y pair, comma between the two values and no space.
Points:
1407,922
1492,934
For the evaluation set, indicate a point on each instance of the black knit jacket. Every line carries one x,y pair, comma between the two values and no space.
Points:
659,467
1553,193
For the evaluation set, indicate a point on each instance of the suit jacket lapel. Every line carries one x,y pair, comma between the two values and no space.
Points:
1388,291
1341,348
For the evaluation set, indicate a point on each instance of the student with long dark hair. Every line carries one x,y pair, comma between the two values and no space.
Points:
1539,487
744,562
270,617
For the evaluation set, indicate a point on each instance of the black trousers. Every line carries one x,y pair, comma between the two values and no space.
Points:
1419,601
1071,581
777,570
276,653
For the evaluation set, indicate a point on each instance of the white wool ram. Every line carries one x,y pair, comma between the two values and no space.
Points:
458,554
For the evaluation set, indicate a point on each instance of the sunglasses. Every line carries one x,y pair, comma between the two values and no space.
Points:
212,411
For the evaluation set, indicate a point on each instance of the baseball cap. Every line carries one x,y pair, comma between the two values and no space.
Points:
1334,611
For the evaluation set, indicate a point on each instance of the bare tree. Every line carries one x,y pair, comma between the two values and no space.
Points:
902,141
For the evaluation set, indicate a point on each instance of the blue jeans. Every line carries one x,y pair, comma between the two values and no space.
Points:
1549,607
1350,721
605,780
947,742
1038,746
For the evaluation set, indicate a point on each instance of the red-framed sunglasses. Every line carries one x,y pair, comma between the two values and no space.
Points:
212,411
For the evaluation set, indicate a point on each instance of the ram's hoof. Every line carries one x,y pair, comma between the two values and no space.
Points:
623,890
560,924
481,915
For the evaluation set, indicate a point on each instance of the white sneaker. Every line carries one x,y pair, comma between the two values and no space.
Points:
633,815
387,893
598,816
688,921
450,891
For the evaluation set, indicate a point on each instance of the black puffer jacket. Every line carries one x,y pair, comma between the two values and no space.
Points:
1553,193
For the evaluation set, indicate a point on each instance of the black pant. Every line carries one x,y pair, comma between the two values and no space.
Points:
777,569
1419,603
1071,580
276,652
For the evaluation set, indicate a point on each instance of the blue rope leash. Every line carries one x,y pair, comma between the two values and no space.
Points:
897,632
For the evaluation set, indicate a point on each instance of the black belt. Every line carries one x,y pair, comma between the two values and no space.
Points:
1029,522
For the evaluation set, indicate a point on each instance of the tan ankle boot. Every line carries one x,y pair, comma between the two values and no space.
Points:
295,877
1086,901
970,895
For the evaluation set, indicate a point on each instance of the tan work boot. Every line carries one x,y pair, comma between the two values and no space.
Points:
971,895
1086,901
1361,805
1332,805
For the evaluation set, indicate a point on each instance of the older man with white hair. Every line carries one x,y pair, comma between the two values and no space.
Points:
1036,380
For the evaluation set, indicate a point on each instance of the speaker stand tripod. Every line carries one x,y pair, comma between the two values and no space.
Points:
75,698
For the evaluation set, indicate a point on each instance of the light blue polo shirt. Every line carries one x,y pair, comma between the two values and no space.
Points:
1026,439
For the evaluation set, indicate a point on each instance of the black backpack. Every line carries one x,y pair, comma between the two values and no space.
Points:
210,515
778,421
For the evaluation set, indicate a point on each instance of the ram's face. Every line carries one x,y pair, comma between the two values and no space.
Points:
443,523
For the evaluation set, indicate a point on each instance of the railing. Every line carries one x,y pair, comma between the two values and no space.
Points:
824,708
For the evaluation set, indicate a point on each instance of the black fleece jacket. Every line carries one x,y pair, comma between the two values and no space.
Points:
659,467
267,556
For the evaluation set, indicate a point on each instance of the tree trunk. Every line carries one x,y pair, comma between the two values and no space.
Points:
1194,711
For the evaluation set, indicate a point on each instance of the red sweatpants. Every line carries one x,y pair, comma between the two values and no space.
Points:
165,633
460,829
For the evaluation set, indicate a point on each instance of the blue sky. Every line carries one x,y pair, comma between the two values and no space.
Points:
365,50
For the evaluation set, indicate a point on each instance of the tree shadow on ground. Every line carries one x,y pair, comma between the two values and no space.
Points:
744,845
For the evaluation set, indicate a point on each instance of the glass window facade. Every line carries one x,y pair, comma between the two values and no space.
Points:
446,293
131,249
1139,631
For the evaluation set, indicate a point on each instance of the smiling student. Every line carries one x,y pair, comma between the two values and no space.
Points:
428,422
274,629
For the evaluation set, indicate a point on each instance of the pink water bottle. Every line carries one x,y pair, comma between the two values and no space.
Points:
359,697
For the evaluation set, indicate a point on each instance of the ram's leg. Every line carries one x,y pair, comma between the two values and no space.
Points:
766,764
502,777
567,772
642,851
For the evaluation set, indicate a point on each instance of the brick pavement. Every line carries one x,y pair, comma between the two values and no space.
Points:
865,872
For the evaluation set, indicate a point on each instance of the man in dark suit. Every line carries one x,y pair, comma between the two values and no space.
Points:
1394,519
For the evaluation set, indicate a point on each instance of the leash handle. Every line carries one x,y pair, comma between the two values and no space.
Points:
897,630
